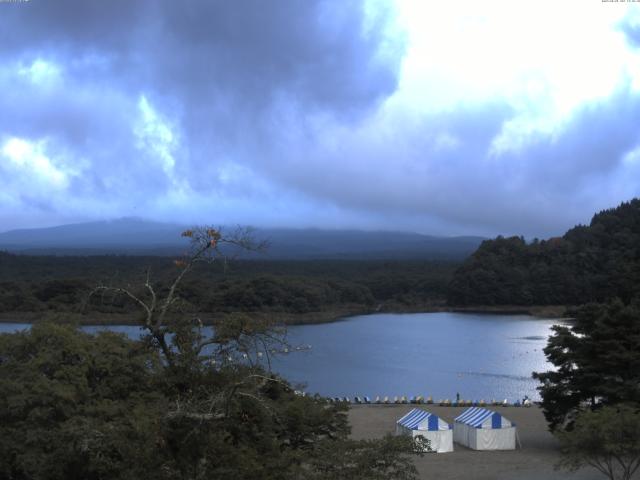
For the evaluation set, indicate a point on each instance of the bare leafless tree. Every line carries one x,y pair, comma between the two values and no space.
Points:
207,245
235,343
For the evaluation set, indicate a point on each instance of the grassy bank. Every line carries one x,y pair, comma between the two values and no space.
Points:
287,318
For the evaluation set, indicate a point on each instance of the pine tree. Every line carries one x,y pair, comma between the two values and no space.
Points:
597,360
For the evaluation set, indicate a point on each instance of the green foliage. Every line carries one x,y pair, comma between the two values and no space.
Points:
79,406
74,405
607,439
182,403
588,264
597,361
61,284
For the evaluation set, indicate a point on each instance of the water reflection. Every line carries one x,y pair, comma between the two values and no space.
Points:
480,356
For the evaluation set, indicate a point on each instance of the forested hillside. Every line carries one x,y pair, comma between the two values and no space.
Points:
588,264
321,290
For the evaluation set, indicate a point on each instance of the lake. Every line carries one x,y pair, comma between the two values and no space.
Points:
481,356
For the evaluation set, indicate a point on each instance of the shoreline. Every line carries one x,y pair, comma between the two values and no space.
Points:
288,318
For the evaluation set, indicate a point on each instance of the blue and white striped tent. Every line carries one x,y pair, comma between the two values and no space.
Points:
482,429
479,417
418,422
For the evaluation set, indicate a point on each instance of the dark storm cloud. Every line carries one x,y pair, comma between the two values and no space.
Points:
212,72
278,112
318,53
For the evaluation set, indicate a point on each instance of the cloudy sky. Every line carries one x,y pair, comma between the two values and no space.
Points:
466,117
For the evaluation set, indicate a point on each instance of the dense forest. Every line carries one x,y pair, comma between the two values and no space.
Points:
181,402
587,264
313,290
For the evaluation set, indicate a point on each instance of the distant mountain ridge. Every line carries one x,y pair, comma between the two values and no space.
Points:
140,237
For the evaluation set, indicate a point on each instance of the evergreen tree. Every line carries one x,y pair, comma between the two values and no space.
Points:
597,362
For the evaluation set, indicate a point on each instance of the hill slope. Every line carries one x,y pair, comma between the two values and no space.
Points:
138,237
588,263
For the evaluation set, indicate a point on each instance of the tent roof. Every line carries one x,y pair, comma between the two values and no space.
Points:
416,417
477,416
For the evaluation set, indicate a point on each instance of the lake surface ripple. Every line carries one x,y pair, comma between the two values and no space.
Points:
480,356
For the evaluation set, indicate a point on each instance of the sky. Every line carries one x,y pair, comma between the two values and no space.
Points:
447,118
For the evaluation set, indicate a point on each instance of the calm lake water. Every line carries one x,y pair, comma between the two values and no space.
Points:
481,356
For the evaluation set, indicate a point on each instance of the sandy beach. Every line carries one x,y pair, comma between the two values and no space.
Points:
534,461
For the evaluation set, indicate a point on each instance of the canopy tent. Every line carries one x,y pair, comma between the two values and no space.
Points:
422,423
482,429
